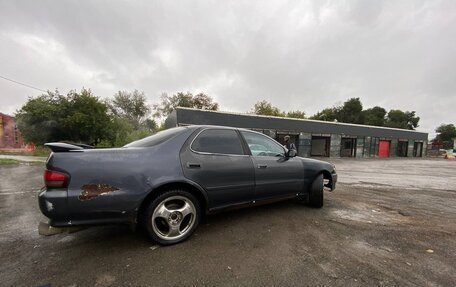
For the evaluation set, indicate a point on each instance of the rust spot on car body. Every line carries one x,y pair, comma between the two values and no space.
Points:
90,191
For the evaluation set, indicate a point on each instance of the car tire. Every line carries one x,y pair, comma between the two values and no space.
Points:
172,217
316,192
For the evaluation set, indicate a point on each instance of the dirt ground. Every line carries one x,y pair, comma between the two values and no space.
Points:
389,223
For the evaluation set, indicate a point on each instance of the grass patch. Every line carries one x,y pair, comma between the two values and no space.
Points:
6,161
33,163
39,151
10,161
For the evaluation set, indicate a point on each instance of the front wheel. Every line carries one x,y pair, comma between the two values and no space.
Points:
172,217
316,192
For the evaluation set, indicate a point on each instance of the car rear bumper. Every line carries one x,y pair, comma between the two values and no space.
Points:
54,204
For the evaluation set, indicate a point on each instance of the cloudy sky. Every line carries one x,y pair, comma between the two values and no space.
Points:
304,55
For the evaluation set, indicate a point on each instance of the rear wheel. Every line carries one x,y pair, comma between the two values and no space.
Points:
172,217
316,192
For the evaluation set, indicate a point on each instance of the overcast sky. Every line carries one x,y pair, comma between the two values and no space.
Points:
304,55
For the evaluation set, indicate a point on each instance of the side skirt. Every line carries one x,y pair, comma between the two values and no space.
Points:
251,203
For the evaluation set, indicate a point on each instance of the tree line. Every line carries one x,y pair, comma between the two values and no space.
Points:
83,117
350,111
446,134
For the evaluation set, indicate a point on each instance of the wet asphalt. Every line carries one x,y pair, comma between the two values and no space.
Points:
389,223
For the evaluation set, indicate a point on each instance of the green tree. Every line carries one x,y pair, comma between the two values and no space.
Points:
374,116
118,132
38,118
267,109
122,131
187,100
328,114
86,117
296,114
132,106
150,125
351,112
204,102
77,117
446,133
412,120
402,120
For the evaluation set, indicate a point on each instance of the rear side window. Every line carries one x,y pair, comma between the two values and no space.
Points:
218,141
157,138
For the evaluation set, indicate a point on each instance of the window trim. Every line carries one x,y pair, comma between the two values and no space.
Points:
220,154
263,135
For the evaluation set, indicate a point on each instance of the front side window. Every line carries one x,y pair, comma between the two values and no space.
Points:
261,145
219,141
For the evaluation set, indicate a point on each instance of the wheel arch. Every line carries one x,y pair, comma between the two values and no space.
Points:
191,187
327,176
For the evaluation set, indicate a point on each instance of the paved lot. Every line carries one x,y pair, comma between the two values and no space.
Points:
389,223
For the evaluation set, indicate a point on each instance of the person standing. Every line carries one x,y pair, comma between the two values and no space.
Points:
288,144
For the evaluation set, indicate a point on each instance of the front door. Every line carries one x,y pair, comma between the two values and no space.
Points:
216,160
275,175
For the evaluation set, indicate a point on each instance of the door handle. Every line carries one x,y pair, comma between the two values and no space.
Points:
193,165
262,166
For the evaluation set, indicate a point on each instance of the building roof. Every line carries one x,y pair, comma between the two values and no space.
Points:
205,117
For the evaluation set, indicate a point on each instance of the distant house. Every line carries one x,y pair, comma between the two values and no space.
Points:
10,136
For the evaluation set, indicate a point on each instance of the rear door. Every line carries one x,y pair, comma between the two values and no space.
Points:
275,175
216,160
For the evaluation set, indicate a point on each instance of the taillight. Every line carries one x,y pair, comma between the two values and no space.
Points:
55,179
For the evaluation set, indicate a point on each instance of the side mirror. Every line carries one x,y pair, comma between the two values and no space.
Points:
291,153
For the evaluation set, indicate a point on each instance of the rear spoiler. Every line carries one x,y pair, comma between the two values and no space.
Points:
64,147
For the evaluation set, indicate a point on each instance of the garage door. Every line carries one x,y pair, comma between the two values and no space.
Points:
320,146
383,148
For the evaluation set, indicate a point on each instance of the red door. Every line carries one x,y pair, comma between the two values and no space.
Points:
383,148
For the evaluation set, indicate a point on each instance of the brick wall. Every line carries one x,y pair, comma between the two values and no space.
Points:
10,136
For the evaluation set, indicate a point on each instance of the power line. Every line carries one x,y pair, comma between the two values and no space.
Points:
25,85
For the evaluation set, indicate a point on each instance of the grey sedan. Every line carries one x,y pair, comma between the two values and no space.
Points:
168,181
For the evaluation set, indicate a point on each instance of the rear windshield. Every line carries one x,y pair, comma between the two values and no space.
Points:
157,138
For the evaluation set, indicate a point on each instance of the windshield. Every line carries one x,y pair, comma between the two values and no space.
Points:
157,138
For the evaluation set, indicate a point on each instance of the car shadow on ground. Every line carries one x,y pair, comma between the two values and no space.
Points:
107,236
